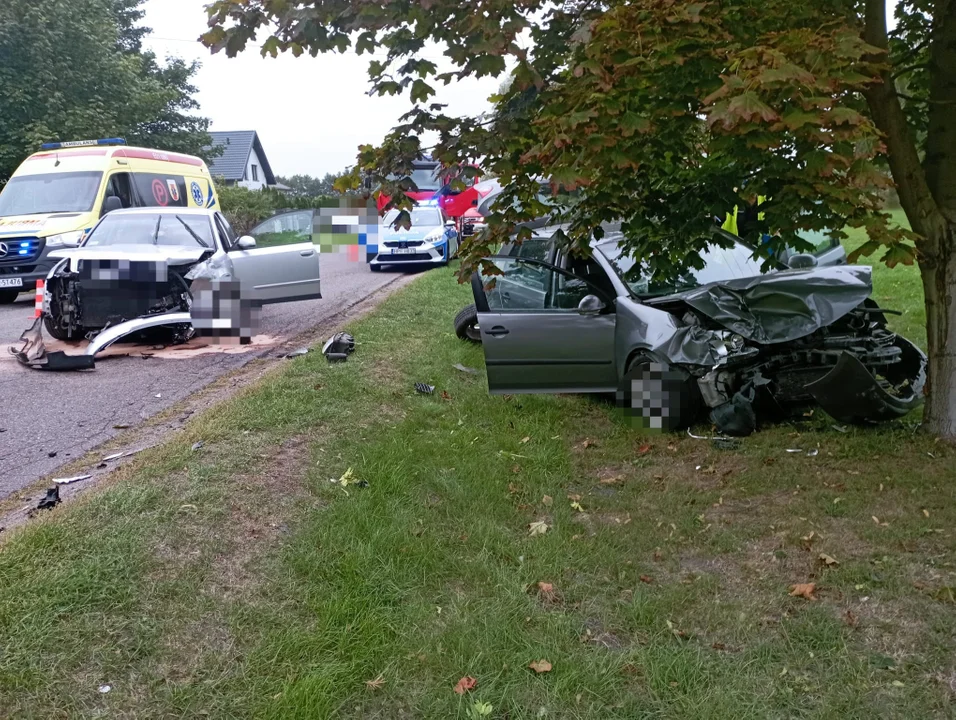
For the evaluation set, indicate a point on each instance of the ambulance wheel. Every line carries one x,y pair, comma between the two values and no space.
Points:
8,296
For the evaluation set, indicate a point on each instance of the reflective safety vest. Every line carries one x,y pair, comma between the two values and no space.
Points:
730,224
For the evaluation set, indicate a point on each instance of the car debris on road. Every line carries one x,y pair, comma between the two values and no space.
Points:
338,347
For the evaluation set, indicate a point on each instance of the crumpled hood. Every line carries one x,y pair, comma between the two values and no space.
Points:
782,306
168,254
43,225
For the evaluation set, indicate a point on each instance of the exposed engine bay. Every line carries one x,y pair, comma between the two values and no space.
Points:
102,293
856,369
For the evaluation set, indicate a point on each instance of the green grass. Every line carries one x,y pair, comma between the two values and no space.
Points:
238,581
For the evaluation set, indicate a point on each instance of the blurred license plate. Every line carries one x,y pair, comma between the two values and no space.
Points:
404,251
11,282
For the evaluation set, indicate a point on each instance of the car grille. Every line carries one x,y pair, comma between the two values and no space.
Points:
20,249
411,257
16,269
404,244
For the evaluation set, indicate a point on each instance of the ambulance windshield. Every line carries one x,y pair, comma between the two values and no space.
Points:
50,193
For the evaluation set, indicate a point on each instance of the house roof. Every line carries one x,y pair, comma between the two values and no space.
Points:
237,146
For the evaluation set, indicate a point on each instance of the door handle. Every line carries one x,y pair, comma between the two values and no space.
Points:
307,253
497,331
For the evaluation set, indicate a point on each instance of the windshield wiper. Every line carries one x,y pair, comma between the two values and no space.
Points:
192,232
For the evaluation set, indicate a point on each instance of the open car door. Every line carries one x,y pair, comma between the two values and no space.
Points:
544,330
283,263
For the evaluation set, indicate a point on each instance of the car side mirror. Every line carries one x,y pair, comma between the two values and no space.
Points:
112,203
450,223
801,261
246,242
590,305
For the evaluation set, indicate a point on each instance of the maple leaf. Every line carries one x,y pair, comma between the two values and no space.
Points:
538,528
547,501
465,684
644,449
540,666
375,684
647,579
804,590
546,587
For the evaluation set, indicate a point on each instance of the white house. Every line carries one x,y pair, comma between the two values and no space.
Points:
243,162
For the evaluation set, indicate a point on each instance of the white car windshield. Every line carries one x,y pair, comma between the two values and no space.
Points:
50,193
720,264
421,217
166,229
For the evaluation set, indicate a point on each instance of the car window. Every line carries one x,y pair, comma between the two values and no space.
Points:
720,264
532,249
50,193
524,286
167,229
286,229
420,217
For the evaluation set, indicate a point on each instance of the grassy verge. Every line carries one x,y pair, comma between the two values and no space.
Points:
238,581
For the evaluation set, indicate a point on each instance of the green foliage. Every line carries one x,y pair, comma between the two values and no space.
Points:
243,207
74,69
308,186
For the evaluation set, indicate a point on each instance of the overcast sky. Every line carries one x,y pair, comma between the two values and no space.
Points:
311,113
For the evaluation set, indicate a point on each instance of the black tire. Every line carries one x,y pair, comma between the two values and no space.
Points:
466,324
375,268
669,400
59,333
8,297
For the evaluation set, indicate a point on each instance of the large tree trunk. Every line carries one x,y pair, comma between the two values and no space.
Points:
927,192
939,288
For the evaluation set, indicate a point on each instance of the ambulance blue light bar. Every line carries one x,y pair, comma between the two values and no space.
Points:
82,143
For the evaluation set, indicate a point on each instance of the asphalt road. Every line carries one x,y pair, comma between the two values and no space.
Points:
70,413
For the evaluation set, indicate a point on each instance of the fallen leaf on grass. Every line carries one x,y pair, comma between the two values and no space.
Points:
827,560
849,618
804,590
577,506
546,587
612,480
540,666
644,449
445,395
547,501
525,439
375,684
647,579
465,684
538,528
588,442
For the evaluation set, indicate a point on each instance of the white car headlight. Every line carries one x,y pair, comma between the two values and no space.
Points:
434,236
67,239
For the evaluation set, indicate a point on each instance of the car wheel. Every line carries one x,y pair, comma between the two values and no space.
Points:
466,324
58,332
375,268
665,397
8,296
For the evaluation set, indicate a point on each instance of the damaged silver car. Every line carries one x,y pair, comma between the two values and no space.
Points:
179,268
730,339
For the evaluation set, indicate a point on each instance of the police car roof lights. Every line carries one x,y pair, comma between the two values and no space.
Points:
81,143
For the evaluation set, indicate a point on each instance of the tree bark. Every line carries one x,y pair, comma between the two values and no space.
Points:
928,197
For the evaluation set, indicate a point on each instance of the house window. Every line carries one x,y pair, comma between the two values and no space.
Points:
255,174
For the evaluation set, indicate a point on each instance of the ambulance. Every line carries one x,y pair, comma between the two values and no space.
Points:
59,193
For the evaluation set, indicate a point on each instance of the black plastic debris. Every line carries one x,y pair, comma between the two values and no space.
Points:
52,453
462,368
424,389
50,500
726,443
737,417
34,355
338,347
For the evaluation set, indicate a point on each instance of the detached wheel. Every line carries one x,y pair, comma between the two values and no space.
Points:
665,397
466,324
8,297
